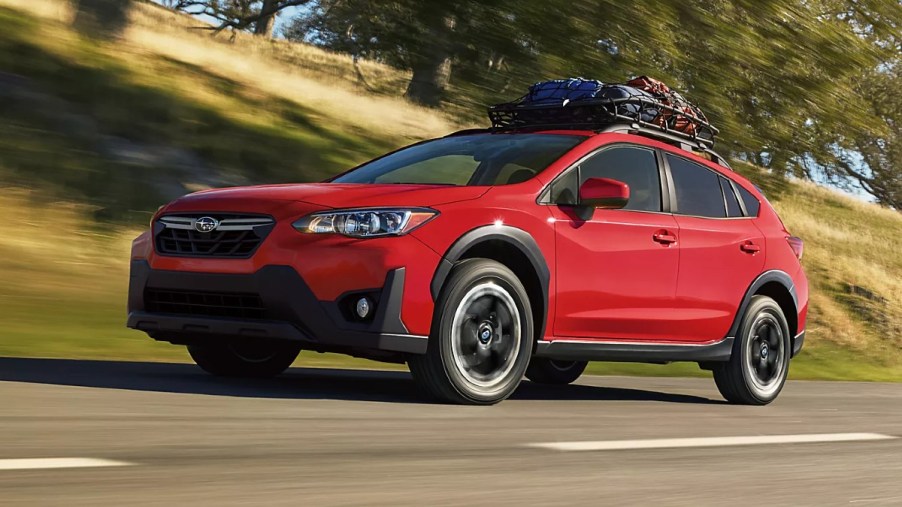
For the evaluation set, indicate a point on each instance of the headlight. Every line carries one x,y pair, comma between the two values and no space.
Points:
366,223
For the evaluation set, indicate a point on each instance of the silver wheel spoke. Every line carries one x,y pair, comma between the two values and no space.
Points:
485,335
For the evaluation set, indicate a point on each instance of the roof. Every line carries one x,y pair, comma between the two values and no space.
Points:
696,148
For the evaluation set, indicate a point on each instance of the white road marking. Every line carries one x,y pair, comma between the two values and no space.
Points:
46,463
671,443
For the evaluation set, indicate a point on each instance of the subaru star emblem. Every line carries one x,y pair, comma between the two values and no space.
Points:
206,224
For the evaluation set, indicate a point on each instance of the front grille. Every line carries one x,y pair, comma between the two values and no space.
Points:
206,304
233,236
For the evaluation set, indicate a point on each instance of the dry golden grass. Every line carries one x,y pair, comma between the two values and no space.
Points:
855,271
314,78
53,247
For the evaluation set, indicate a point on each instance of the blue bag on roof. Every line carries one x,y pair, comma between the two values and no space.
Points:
560,90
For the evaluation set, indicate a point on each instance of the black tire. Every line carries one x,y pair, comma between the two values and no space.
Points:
759,363
542,370
245,359
482,336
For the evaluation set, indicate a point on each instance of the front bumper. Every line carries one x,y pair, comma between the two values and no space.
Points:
291,311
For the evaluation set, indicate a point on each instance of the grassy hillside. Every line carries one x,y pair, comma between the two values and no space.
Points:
94,135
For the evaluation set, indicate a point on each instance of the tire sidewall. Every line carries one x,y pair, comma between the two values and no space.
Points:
759,306
479,272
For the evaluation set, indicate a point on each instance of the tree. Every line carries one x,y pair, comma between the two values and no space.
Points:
256,15
101,18
875,161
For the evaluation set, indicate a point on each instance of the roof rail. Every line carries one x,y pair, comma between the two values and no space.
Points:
697,148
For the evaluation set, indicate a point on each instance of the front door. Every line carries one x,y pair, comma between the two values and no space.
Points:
617,270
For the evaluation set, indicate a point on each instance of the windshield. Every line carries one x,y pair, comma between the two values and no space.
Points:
479,159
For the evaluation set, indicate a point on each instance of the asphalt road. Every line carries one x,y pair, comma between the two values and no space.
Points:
330,437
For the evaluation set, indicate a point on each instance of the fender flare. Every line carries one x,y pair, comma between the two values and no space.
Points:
518,238
774,275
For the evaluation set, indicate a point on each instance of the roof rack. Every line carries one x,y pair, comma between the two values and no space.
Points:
598,114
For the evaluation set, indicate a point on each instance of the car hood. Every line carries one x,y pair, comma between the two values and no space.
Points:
337,195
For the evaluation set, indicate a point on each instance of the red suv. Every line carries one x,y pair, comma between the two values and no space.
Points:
482,257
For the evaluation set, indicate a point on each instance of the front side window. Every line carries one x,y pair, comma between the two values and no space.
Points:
637,167
478,159
698,190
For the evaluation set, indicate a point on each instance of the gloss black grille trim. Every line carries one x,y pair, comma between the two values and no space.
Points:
235,236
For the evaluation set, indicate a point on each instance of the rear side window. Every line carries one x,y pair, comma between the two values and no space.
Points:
729,198
697,188
637,167
751,203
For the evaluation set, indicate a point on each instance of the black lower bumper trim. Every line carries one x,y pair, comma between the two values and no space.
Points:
572,350
291,312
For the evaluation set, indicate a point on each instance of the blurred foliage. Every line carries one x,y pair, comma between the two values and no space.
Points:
787,81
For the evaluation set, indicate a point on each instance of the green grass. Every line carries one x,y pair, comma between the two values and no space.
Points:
250,112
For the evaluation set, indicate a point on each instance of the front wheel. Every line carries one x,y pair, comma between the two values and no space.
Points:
759,364
542,370
481,339
245,359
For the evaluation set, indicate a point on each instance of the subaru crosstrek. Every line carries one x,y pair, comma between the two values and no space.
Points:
482,257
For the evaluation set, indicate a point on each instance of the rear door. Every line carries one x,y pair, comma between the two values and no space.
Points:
617,270
721,251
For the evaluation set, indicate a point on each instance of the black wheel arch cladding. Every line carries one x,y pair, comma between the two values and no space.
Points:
511,238
772,278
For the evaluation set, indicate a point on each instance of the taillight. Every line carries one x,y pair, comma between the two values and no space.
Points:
797,245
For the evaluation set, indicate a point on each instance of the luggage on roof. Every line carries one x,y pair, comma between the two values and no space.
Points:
591,104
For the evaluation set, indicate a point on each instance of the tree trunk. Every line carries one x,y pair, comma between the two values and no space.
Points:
265,24
101,18
432,66
429,80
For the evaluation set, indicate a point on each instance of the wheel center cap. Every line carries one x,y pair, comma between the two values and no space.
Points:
484,334
764,351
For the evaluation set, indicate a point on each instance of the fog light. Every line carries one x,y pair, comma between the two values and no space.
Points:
363,307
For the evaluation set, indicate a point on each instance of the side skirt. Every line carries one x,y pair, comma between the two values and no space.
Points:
573,350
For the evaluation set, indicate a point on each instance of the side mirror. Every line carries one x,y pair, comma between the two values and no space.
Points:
604,193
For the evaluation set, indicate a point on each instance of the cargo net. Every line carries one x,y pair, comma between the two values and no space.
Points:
589,104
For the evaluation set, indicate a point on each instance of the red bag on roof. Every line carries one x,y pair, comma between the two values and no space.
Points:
650,85
670,98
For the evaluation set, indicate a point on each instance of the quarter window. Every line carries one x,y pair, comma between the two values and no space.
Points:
751,203
698,190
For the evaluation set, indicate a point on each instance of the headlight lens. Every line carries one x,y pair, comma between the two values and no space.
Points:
366,223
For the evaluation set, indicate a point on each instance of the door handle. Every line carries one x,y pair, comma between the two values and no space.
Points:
749,247
664,237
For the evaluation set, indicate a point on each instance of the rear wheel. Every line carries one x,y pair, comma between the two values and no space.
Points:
542,370
481,339
245,359
759,364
